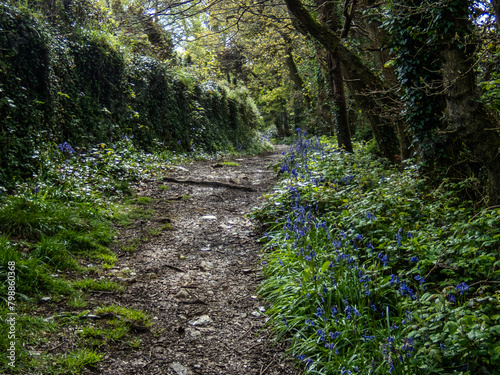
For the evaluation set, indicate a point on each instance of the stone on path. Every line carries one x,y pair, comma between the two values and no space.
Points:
180,369
201,321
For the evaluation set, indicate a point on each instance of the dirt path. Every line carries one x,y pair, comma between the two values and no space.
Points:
198,280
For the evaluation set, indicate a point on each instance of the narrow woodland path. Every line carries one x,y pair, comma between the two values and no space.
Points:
198,280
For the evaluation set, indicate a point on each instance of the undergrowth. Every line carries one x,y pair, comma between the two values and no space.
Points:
370,271
56,230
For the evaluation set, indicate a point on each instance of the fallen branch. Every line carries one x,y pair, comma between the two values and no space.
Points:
209,183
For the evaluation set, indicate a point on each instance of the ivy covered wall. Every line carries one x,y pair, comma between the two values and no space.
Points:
81,88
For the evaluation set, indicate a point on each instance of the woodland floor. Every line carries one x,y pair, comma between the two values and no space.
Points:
198,280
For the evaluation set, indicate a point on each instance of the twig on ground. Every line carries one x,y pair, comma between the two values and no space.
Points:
209,183
269,365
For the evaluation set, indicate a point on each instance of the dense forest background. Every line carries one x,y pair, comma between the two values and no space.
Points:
419,78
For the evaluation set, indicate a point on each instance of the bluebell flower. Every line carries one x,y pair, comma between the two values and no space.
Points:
309,362
367,337
334,335
398,236
66,147
284,320
414,259
406,290
408,345
394,279
321,334
420,279
370,216
383,259
334,311
462,288
451,298
320,313
310,322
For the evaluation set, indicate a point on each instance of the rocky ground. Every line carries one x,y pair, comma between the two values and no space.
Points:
198,279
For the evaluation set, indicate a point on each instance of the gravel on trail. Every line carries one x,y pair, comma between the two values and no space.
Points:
198,279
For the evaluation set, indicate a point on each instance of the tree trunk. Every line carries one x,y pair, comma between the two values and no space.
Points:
366,88
375,102
468,118
377,36
328,18
294,73
336,81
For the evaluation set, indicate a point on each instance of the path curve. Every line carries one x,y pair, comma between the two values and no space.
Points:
198,280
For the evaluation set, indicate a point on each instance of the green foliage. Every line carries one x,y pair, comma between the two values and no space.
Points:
57,221
369,271
80,88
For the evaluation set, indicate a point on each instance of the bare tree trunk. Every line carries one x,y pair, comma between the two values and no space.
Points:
377,36
328,17
373,99
337,87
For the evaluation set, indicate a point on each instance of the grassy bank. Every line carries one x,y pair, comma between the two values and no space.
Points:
370,271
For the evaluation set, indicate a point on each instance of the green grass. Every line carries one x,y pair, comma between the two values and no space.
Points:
30,218
231,163
138,316
75,361
92,284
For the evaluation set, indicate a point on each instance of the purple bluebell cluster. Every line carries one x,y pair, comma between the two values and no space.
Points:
66,148
462,288
345,271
